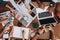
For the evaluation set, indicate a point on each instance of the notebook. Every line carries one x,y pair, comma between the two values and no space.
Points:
20,32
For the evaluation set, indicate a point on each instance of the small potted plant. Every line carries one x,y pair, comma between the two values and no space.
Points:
35,24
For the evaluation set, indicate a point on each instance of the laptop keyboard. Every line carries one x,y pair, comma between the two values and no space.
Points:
44,14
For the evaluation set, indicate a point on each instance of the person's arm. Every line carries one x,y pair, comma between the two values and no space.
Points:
15,6
35,37
4,4
44,27
9,7
52,33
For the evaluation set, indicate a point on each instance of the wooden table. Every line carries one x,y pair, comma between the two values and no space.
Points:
56,29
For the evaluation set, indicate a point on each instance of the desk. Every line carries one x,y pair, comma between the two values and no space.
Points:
56,29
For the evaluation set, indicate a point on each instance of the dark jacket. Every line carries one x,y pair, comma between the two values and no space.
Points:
3,3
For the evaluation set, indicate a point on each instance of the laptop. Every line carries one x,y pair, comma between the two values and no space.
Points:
45,18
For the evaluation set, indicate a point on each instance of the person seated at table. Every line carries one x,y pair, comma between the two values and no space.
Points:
44,4
7,17
38,32
44,30
57,12
51,7
32,6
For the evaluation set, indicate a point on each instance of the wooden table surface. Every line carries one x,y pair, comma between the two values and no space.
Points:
56,28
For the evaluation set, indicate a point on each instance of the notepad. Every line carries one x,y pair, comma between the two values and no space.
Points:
18,32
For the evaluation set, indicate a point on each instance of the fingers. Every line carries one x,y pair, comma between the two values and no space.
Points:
44,27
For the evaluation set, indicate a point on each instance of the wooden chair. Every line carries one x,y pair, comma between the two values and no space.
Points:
19,33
